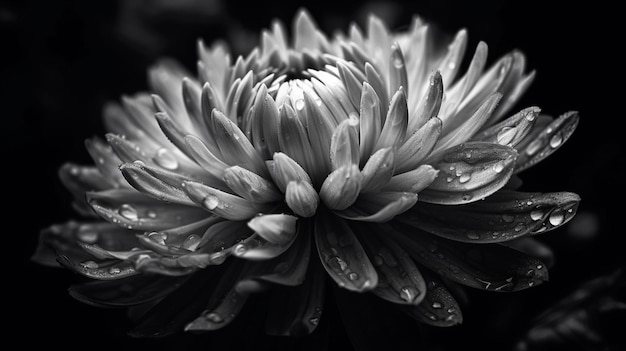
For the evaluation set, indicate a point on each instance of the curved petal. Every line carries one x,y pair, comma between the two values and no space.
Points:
512,130
221,203
545,138
503,216
470,172
80,179
342,255
412,181
378,170
255,248
379,207
418,146
278,229
399,280
165,186
100,271
439,308
250,185
135,210
302,198
489,266
342,187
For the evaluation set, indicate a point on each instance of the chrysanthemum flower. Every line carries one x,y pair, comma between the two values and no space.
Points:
369,157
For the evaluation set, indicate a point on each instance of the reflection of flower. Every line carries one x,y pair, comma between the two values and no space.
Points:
232,182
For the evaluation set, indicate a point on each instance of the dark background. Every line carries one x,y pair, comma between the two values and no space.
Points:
61,60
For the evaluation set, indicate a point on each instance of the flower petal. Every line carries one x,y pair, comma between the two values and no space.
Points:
394,129
503,216
265,123
399,280
296,311
165,186
134,210
429,105
512,130
278,229
412,181
320,130
351,81
470,172
302,198
250,185
291,267
370,121
439,308
223,204
106,161
255,248
397,70
379,207
489,266
341,188
80,179
342,255
100,271
541,143
344,144
378,170
284,170
418,146
306,34
293,138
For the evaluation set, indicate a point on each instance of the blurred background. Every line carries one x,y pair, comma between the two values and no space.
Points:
62,60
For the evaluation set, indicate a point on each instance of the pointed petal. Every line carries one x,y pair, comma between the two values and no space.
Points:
135,210
305,32
291,267
470,172
370,121
428,106
449,65
80,179
503,216
293,138
439,308
394,129
126,150
251,186
412,181
203,156
223,204
265,124
379,207
342,187
235,146
278,229
100,271
541,143
342,255
399,280
489,266
159,184
418,146
320,130
378,170
379,85
397,70
302,198
255,248
106,161
351,82
344,145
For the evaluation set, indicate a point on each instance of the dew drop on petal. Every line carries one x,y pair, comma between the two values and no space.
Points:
128,212
191,243
536,215
466,197
353,119
240,249
408,293
556,218
449,179
437,305
314,320
451,65
397,61
89,264
533,147
519,227
211,202
473,236
299,104
158,237
166,159
151,214
213,317
464,178
556,140
353,276
498,167
451,310
114,270
508,218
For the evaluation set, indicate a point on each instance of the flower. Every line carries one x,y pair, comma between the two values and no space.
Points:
367,157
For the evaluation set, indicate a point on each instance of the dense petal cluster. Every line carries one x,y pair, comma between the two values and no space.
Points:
369,157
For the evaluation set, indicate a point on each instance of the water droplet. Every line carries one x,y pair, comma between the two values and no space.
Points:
240,249
464,178
398,62
451,168
556,218
90,264
314,320
533,147
468,155
88,236
211,202
451,310
536,215
473,236
191,243
519,227
213,317
158,237
115,270
529,203
505,135
408,293
498,167
531,283
151,214
508,218
466,197
530,117
539,266
556,140
450,317
449,179
431,316
353,276
337,264
353,119
166,159
299,104
128,212
437,305
451,65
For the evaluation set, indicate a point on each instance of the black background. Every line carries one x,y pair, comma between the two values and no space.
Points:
61,60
